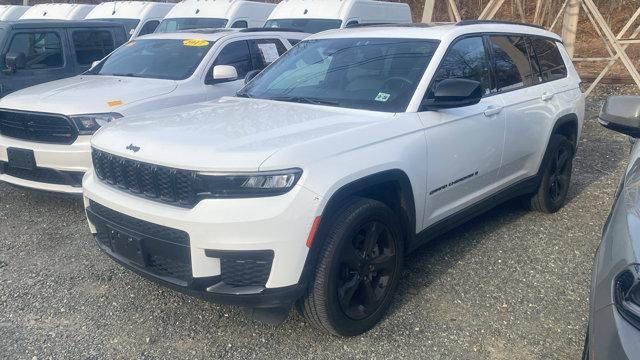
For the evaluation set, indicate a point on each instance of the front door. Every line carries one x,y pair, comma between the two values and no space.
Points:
45,58
464,145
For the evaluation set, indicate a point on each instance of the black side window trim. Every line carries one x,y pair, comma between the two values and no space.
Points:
489,53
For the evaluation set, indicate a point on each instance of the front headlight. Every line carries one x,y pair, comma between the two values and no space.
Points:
627,294
272,183
88,124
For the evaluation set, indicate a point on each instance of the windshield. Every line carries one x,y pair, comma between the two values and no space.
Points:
360,73
310,26
177,24
171,59
129,24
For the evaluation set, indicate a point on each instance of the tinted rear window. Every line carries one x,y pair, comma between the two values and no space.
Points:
549,58
92,45
513,69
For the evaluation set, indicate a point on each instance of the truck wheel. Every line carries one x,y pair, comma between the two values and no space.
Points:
357,271
556,176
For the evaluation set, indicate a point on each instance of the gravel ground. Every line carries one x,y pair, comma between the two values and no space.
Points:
510,284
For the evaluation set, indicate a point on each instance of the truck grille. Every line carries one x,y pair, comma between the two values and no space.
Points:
38,127
159,183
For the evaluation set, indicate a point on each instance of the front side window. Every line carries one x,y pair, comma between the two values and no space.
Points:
177,24
513,70
268,51
310,26
550,60
465,59
378,74
172,59
42,50
92,45
236,54
149,27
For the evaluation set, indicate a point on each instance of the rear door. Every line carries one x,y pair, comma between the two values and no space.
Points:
527,105
46,57
464,145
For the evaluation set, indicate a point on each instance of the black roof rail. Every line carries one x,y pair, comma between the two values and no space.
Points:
401,25
358,25
271,30
504,22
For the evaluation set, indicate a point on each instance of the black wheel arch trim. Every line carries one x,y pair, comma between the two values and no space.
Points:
570,118
407,212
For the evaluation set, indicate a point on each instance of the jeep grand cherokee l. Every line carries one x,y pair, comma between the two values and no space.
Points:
351,150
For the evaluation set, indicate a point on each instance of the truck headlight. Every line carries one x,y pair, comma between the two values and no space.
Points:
627,294
258,184
88,124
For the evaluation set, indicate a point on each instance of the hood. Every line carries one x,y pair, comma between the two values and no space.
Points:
86,94
231,134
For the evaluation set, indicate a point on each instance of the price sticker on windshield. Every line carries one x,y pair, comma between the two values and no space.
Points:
195,42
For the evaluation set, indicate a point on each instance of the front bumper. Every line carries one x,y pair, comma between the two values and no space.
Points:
218,250
59,167
611,336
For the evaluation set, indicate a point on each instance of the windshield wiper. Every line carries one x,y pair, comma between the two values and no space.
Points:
243,94
125,75
305,100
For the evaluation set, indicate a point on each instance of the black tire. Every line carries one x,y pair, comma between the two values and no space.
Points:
556,177
352,272
585,351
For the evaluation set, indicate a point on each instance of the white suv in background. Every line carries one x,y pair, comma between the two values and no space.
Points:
45,129
351,150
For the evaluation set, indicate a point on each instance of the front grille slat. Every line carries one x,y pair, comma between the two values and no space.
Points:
38,127
153,182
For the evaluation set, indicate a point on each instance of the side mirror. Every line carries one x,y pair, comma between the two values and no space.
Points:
14,61
250,75
95,63
453,93
621,114
224,73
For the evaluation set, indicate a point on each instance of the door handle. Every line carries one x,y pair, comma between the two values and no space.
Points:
492,110
547,97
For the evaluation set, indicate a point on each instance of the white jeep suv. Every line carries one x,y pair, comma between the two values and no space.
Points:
351,150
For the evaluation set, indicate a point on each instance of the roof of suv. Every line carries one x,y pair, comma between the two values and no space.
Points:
436,31
46,24
217,34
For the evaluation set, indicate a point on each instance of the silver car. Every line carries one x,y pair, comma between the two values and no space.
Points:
614,315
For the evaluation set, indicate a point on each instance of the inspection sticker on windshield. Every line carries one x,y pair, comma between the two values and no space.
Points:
195,42
383,97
